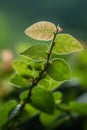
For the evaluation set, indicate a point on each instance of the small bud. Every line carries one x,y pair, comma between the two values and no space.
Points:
47,53
59,29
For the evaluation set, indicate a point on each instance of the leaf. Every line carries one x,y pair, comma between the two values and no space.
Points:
80,108
57,97
22,68
19,81
58,70
42,100
48,83
39,65
41,31
63,106
24,58
47,120
65,43
4,111
27,113
36,52
24,95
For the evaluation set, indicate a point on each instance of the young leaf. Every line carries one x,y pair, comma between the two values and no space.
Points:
58,70
48,83
36,52
19,81
4,111
22,68
41,31
65,43
42,100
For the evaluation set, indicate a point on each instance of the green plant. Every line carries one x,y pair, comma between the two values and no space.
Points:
39,71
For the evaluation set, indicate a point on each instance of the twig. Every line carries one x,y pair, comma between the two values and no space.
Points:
35,81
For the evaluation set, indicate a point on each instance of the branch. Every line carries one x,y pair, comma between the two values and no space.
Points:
35,81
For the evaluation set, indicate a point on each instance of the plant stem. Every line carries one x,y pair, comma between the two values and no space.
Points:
35,81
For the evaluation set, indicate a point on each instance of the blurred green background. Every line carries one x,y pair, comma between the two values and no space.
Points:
17,15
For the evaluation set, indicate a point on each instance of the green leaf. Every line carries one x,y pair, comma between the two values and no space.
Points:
58,70
80,108
47,120
57,97
48,83
41,31
39,65
64,107
65,43
4,111
31,110
24,95
42,100
19,81
22,68
36,52
24,58
28,113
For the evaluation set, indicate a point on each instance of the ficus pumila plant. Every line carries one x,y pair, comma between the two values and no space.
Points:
38,72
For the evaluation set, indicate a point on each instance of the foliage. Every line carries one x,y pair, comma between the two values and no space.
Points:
39,78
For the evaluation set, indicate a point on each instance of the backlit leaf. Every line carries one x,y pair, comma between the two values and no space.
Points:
41,31
48,83
36,52
58,70
19,81
22,68
65,43
42,100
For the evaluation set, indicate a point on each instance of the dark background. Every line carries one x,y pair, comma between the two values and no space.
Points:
17,15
